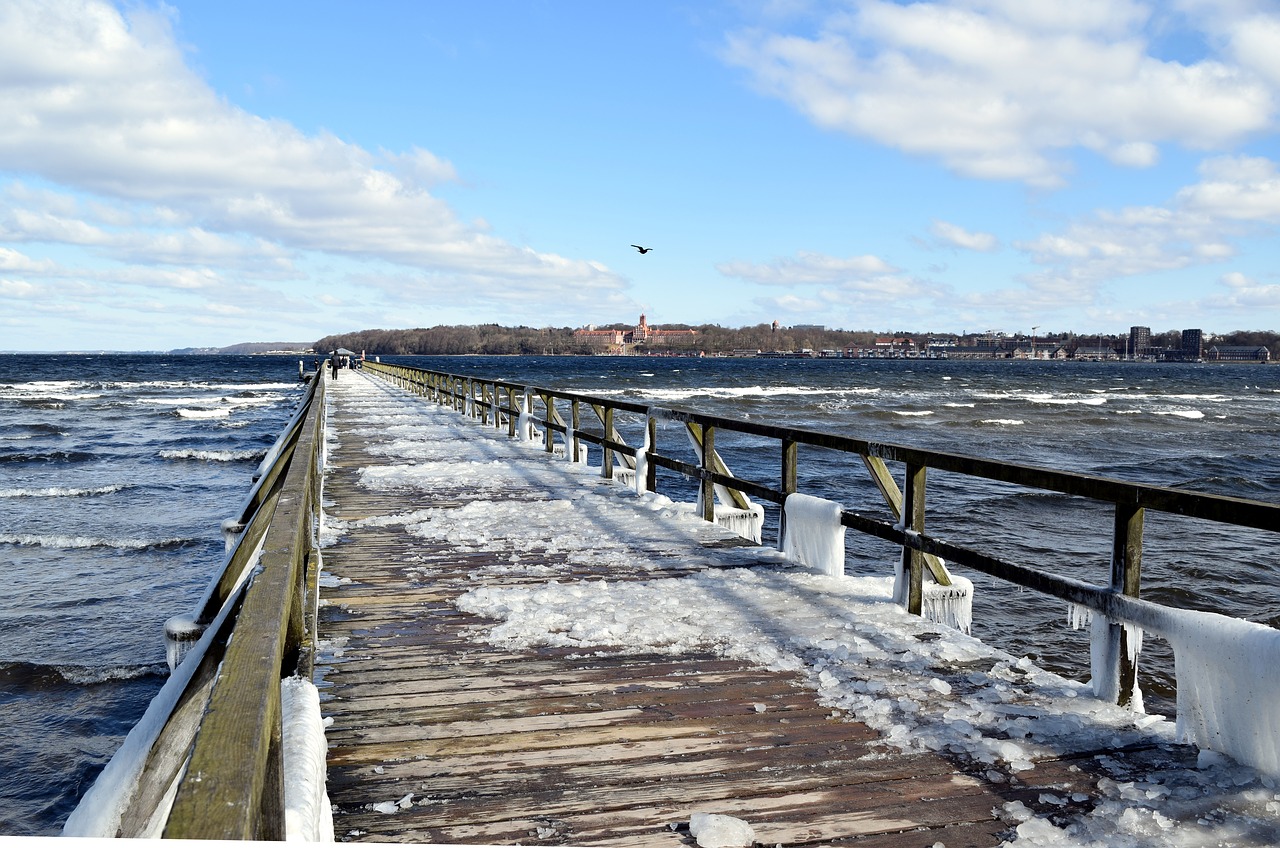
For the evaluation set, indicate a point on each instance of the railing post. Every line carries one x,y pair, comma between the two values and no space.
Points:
1126,578
606,470
548,435
576,417
707,489
913,499
651,468
790,462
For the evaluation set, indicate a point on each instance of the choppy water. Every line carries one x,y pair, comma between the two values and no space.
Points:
115,472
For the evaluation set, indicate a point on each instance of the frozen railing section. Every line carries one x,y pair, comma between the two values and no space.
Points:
232,747
1227,706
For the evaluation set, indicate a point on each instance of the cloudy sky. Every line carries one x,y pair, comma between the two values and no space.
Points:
205,173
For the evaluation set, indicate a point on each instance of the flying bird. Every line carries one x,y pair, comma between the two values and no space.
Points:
643,250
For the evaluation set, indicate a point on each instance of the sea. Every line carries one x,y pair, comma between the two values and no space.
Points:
117,470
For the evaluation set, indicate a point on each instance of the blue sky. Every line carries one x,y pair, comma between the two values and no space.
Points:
206,173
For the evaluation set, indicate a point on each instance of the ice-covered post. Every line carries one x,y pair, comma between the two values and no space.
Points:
513,414
707,489
913,520
575,417
1126,578
606,468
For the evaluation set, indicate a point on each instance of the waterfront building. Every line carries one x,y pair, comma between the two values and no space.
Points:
1139,341
1192,344
1229,353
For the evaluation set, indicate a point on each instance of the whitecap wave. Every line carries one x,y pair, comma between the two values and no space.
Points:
204,413
213,455
1004,422
59,492
908,413
36,540
1192,414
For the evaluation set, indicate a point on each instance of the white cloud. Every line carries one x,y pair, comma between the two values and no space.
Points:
807,268
1001,89
1243,293
93,102
957,236
12,260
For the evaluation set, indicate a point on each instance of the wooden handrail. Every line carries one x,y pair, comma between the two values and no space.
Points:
232,787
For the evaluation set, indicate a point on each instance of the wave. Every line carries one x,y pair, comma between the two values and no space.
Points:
1193,414
36,540
49,456
60,492
907,413
36,675
213,455
736,392
204,413
1009,422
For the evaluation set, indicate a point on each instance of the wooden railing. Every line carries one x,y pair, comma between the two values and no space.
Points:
501,404
217,752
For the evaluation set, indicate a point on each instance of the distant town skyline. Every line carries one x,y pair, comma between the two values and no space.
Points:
193,173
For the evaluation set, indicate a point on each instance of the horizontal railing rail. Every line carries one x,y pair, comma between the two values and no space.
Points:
205,761
1118,600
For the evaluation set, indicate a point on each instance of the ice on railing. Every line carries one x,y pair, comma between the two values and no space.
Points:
1104,656
308,816
524,421
814,535
642,465
1228,674
747,523
950,605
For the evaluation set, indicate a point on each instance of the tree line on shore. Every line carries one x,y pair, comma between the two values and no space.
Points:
497,340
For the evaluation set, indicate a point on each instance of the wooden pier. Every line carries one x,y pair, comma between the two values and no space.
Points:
440,734
476,744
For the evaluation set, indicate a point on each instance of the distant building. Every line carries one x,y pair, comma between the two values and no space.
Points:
1192,344
616,341
1101,353
1227,353
1139,341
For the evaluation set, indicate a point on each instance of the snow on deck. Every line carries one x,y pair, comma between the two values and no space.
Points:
541,612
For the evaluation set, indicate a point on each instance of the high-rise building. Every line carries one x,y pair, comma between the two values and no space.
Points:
1192,344
1139,341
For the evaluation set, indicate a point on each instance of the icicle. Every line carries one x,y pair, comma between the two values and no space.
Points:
815,536
747,523
1078,616
949,605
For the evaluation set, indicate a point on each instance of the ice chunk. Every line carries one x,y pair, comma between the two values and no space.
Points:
814,535
712,830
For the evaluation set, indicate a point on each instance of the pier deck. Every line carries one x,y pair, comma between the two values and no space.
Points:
469,742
